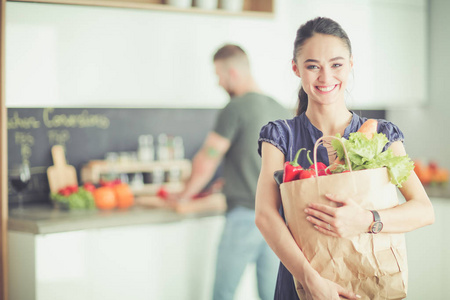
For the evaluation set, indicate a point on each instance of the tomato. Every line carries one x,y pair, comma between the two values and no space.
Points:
89,187
162,193
64,192
72,188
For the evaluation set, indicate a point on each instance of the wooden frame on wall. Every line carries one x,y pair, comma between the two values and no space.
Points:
3,164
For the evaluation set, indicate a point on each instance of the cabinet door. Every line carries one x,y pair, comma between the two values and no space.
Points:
149,261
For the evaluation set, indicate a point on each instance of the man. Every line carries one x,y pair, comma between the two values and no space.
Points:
234,139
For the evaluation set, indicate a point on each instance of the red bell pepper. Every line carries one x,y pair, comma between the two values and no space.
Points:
311,172
292,169
308,173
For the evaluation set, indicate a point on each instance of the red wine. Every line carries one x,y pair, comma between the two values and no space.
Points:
18,184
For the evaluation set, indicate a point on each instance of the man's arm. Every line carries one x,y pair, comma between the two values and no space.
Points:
205,164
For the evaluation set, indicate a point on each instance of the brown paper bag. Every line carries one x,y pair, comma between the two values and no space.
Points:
371,265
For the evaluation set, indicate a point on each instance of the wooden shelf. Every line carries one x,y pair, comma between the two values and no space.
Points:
252,8
152,189
93,170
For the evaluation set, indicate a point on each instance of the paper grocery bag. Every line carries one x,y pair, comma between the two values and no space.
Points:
371,265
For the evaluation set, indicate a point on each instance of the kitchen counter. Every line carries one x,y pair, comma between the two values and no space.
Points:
441,191
44,219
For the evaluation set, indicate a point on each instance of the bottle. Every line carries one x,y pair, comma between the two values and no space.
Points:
174,174
138,181
178,148
146,150
163,147
111,160
158,176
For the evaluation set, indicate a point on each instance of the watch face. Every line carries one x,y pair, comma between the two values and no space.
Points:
376,227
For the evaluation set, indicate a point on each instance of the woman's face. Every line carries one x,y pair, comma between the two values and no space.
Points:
324,65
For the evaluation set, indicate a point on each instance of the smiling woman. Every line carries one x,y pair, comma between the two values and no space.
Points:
323,60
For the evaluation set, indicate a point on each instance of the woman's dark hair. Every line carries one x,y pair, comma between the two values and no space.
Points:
306,31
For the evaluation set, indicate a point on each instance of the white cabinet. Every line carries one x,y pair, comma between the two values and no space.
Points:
141,262
155,261
389,48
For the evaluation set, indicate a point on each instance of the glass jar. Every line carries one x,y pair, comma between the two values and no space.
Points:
163,147
178,148
146,150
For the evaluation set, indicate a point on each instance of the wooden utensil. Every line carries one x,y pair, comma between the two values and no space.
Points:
60,174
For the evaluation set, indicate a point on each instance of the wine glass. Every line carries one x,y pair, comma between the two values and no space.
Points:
20,176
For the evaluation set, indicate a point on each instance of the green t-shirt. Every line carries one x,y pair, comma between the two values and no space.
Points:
240,122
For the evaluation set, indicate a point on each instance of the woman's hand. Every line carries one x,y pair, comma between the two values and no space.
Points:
322,288
347,220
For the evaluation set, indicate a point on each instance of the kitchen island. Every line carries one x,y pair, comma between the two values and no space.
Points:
139,253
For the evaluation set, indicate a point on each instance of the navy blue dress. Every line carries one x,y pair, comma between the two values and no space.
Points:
289,136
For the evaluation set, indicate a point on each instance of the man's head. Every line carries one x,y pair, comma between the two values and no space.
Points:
232,68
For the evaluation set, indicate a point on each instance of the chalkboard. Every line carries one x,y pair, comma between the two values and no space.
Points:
89,133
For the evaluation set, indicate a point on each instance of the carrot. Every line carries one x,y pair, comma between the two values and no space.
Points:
369,128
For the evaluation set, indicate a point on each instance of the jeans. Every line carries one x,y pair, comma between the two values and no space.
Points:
241,244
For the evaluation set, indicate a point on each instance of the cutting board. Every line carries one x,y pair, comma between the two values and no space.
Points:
60,174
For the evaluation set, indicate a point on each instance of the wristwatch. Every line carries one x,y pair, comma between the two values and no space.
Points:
376,225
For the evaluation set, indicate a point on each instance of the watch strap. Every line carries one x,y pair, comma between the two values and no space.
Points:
376,216
376,225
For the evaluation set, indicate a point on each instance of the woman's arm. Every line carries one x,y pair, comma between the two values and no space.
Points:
350,219
416,212
278,236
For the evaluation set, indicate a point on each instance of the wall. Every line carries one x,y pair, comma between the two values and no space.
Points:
426,128
390,63
67,55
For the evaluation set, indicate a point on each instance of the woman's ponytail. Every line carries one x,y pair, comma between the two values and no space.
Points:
302,101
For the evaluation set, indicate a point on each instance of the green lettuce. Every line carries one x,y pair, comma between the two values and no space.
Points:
82,199
365,153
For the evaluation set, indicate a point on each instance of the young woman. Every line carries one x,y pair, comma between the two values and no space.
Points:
323,61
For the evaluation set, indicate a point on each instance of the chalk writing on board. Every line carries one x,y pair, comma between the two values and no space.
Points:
26,141
58,137
82,120
16,122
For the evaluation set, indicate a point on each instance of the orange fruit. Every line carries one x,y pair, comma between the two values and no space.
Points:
124,195
105,198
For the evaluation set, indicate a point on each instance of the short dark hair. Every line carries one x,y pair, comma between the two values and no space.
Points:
228,51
